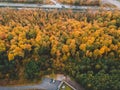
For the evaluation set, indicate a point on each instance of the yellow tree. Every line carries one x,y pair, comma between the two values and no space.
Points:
10,56
2,46
82,47
65,49
96,53
73,47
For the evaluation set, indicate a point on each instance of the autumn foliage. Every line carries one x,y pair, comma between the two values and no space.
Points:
78,44
81,2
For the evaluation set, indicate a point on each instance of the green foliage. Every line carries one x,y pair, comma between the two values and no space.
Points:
32,70
94,77
43,51
7,68
118,22
31,34
10,36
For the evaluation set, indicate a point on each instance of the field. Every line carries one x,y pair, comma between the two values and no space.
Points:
85,46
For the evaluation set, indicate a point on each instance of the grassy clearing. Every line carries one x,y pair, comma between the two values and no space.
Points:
65,87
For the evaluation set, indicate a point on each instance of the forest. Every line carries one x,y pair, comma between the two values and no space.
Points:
81,2
70,2
85,46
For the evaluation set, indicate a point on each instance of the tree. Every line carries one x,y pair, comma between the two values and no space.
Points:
11,56
32,70
65,49
82,47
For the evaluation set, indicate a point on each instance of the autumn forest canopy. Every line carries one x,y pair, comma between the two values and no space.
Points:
85,46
